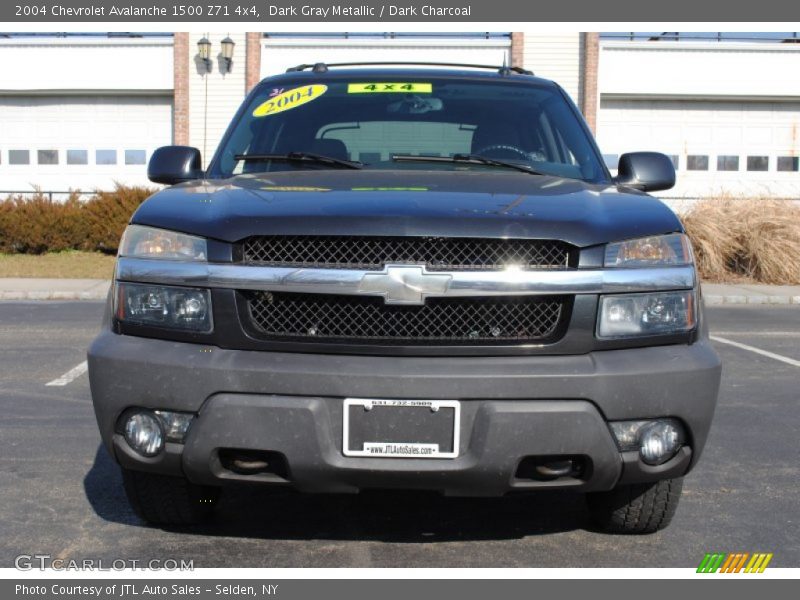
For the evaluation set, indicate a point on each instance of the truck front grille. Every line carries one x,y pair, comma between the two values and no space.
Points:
372,253
443,321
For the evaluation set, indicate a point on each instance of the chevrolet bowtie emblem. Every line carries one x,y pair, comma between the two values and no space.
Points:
404,284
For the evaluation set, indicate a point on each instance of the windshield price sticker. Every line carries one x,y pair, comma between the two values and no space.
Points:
388,88
290,99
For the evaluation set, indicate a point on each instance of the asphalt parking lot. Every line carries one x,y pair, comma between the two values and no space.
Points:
63,496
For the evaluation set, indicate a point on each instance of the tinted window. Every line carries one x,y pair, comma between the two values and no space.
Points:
105,157
697,162
47,157
77,157
421,138
757,163
19,157
787,163
134,157
727,163
373,121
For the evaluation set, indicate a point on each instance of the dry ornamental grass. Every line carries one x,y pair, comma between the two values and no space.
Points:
756,239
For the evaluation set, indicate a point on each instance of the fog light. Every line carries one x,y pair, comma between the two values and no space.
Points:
176,425
659,442
656,440
144,434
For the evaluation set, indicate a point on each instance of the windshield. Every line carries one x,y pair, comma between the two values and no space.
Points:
401,124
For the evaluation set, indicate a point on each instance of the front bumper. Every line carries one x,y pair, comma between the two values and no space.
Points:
512,407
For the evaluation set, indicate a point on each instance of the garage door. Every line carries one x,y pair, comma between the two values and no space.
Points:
742,148
280,53
79,142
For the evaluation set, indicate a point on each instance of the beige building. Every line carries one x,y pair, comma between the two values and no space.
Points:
87,110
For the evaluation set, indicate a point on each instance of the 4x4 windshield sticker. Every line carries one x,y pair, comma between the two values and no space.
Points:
281,101
388,88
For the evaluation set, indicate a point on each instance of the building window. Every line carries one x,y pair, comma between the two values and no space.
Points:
727,163
134,157
788,163
19,157
697,162
757,163
47,157
611,160
77,157
676,161
105,157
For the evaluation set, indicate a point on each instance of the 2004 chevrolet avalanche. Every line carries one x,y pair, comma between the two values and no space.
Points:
406,278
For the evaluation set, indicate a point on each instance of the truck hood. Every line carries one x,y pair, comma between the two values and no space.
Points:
453,203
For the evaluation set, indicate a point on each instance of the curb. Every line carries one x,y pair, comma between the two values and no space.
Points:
755,299
53,295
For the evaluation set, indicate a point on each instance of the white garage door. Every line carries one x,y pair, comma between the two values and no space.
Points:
79,142
277,54
742,148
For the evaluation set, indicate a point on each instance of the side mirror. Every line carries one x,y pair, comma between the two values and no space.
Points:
646,171
174,164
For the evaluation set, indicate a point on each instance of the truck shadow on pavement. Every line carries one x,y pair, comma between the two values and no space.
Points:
388,516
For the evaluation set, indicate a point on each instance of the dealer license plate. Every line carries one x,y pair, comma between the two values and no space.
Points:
401,428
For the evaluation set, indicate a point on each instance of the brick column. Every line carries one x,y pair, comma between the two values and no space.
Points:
517,47
180,112
253,60
590,60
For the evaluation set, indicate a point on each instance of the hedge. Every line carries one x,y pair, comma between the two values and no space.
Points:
35,225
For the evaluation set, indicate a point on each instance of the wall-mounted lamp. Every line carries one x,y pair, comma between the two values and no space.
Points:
227,53
204,51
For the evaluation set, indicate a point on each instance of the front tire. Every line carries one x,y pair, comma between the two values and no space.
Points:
635,509
166,500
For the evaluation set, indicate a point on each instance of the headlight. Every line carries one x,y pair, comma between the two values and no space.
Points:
139,241
635,315
655,251
164,306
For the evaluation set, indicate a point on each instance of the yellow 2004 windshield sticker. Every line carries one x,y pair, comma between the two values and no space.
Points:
281,101
388,88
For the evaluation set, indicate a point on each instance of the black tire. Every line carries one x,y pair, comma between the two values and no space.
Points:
636,509
165,500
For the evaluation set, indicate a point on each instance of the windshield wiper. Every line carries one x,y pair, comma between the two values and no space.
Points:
304,157
475,159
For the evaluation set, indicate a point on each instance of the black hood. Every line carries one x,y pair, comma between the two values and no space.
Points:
468,203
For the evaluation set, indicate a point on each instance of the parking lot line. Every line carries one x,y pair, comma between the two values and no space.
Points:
762,333
70,375
772,355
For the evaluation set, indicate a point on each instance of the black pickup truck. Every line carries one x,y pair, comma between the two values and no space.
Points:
406,278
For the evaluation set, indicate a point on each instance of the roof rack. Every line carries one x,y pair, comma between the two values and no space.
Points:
321,67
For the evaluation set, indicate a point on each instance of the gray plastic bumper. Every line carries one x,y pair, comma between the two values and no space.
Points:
512,407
